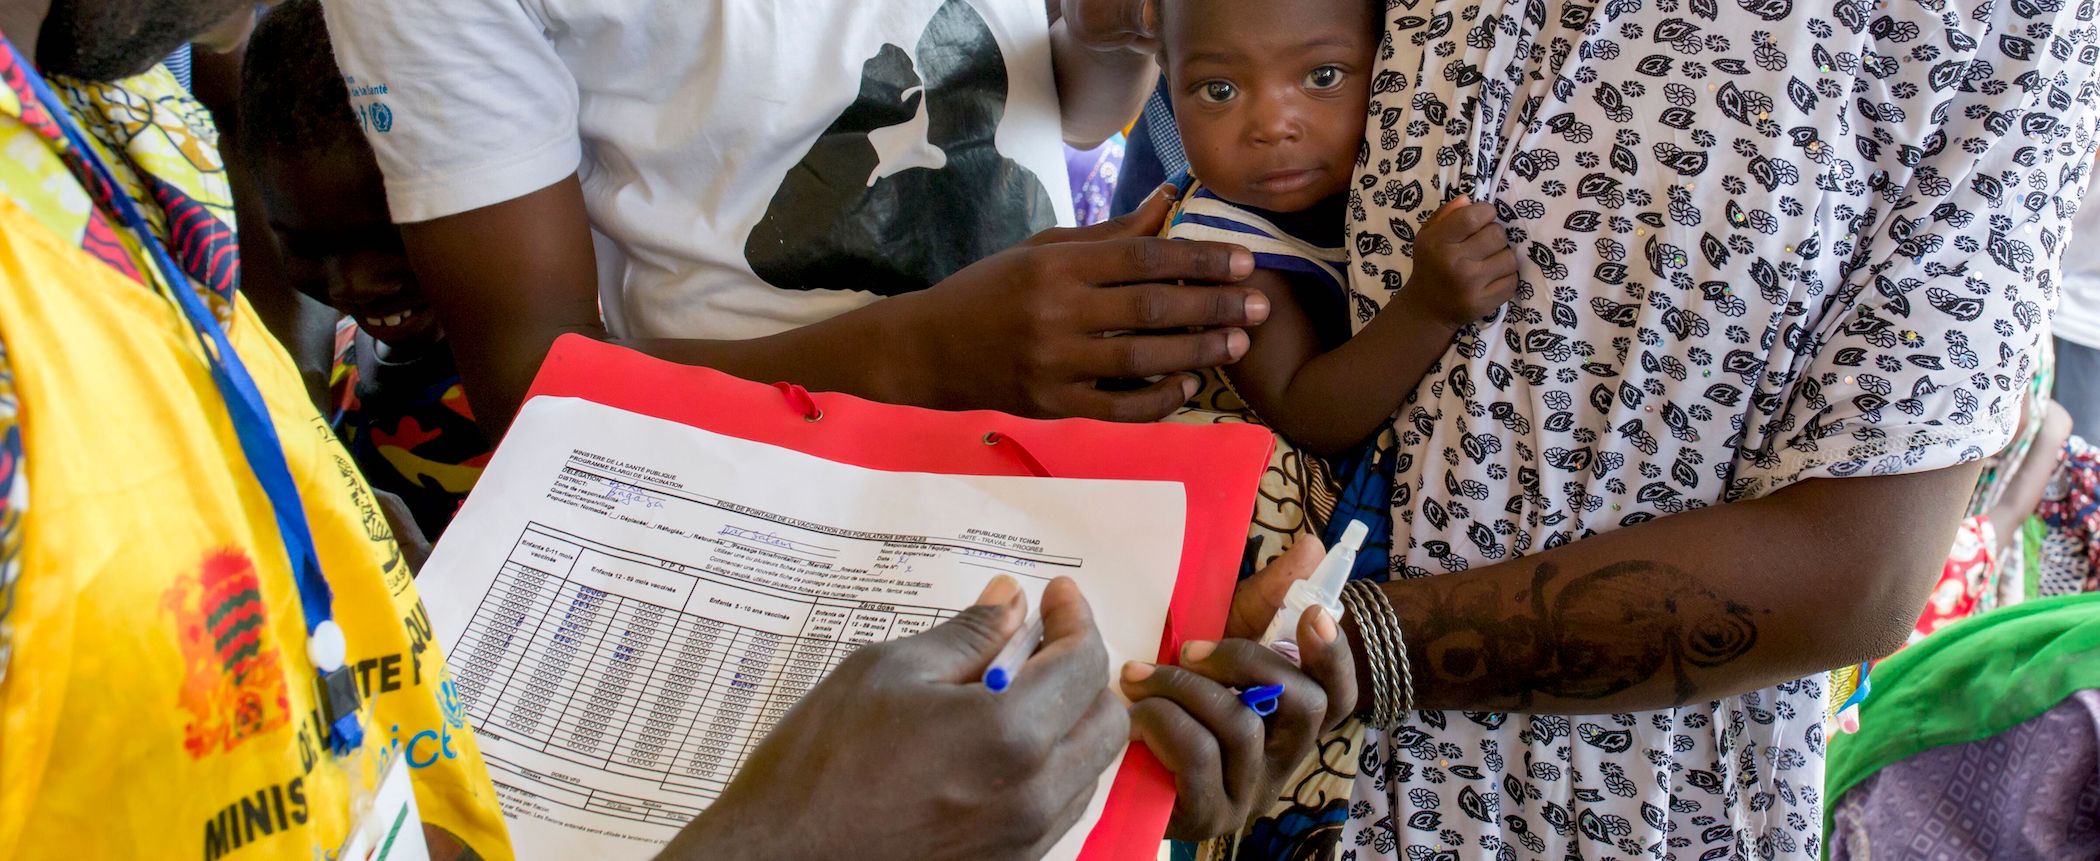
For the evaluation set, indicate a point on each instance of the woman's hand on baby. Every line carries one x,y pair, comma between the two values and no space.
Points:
1025,331
1464,267
1228,762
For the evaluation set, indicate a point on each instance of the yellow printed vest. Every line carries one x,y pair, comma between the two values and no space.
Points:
158,702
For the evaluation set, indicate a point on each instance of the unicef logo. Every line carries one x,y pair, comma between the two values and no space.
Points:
382,117
449,703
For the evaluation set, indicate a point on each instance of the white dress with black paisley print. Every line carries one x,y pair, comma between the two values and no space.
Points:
1761,242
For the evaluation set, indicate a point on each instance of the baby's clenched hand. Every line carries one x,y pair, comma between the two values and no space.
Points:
1464,268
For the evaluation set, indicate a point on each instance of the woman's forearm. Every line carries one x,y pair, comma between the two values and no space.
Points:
1694,606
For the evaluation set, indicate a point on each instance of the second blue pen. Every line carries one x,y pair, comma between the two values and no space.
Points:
1262,698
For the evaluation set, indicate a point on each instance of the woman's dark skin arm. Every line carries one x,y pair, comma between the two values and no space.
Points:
1694,606
1689,607
1019,332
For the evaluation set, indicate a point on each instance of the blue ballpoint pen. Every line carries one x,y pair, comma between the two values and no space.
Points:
1000,675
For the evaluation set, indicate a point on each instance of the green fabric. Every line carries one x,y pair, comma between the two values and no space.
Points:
2032,533
1969,681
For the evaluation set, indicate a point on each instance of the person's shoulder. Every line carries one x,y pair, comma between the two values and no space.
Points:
1201,211
1203,215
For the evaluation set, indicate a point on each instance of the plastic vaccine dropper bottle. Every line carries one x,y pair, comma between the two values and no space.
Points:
1324,588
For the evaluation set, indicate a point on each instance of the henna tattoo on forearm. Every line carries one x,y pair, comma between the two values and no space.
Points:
1578,636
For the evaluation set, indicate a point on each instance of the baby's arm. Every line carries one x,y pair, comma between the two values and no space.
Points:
1327,402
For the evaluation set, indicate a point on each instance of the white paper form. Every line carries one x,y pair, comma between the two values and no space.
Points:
630,604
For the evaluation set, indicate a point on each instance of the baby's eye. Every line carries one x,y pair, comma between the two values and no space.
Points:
1217,91
1324,78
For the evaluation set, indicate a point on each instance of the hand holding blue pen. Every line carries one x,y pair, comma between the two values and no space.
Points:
1262,699
1231,753
1322,589
1000,675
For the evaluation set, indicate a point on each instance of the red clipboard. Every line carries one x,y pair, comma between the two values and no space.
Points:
1220,467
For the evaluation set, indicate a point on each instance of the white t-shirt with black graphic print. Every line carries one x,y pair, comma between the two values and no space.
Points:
749,167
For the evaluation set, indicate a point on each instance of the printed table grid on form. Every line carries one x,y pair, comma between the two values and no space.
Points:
629,605
636,665
647,686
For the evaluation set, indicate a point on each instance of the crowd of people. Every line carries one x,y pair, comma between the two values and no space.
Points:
1666,348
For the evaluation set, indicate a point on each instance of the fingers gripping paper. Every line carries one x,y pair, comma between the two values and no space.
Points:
632,602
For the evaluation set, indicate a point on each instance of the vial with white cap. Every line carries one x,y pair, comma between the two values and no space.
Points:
1324,588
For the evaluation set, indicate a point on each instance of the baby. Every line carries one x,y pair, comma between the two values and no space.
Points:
1271,97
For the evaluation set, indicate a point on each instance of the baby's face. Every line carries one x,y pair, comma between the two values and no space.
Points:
1270,95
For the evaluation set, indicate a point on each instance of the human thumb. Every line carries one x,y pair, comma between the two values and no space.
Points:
957,650
1257,598
1146,220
